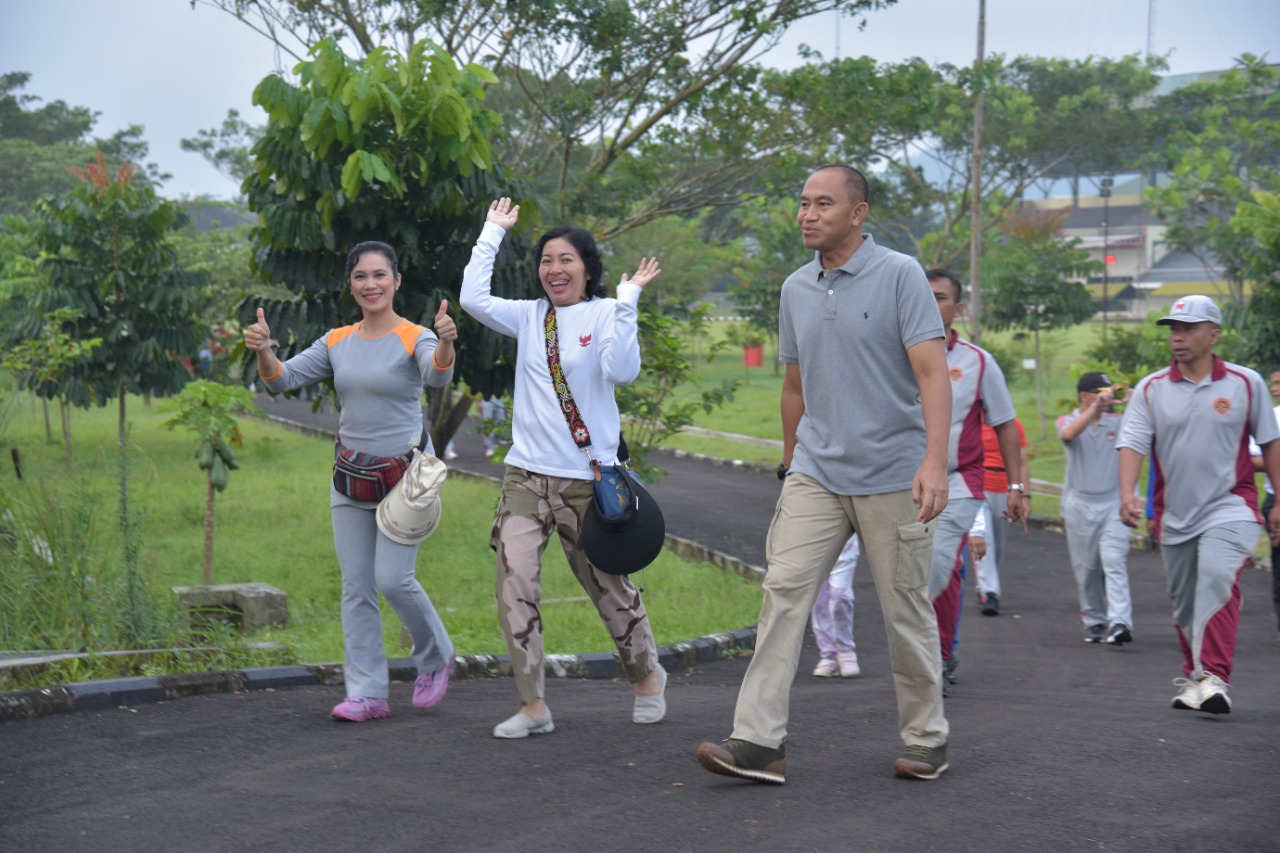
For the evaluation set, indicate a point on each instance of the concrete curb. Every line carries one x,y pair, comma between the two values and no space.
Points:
127,692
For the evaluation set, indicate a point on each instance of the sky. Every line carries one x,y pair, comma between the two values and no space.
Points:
176,70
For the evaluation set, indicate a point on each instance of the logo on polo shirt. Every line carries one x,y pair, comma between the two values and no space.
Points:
1222,405
584,341
956,374
1111,435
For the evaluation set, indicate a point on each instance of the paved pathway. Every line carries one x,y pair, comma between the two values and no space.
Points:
1056,745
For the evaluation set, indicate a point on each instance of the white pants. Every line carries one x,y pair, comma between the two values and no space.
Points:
833,611
997,531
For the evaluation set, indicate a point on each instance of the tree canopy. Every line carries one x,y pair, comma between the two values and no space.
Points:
623,112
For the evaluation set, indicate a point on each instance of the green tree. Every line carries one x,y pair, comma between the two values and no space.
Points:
392,148
41,362
1258,327
40,144
770,252
692,264
660,402
625,112
1033,283
106,253
226,148
911,126
1228,148
206,408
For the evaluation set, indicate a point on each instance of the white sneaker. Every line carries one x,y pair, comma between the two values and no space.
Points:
1213,695
848,664
522,725
826,668
651,707
1188,698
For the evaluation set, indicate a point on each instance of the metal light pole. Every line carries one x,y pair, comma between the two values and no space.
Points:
1105,192
975,199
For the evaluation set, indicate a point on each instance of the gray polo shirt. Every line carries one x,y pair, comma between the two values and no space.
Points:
849,330
1198,438
1093,465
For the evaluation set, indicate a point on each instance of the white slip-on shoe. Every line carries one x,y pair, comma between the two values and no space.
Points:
652,707
521,725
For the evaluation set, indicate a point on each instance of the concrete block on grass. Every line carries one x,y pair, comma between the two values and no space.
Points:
114,692
251,606
38,702
271,677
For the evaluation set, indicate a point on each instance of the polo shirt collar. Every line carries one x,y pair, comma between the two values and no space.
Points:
857,261
952,338
1218,371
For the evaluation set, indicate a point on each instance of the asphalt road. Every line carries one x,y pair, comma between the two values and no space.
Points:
1056,745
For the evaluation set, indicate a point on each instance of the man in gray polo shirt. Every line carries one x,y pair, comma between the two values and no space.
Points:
1195,417
1096,539
866,404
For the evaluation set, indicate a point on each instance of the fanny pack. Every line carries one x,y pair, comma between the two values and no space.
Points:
363,476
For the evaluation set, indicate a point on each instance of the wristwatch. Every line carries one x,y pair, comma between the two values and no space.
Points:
782,471
1018,487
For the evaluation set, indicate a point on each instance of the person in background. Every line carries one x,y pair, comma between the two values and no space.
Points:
979,394
832,617
493,410
1269,503
995,483
1097,541
1194,418
547,487
379,367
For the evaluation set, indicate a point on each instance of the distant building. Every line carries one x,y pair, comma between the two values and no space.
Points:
1144,274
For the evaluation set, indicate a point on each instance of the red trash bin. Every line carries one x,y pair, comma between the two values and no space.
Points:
753,356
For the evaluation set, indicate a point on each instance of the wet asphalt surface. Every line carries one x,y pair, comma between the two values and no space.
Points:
1056,744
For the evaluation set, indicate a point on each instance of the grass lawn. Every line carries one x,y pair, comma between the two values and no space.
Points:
754,410
273,526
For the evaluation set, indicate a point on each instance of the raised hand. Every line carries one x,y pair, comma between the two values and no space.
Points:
502,214
446,329
257,336
645,273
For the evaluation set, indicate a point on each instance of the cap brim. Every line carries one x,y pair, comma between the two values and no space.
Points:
1183,318
620,549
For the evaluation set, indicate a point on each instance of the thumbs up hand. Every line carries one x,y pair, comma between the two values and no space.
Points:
446,329
257,336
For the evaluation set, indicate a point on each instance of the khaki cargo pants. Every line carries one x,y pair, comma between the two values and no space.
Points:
533,507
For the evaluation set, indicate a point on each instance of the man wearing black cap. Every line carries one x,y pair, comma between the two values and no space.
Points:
1195,417
1097,540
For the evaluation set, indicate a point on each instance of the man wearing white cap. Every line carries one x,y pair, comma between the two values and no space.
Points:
1195,417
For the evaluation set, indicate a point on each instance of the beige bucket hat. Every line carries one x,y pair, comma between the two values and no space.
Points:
411,511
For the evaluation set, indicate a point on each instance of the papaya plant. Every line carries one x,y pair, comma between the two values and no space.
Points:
206,409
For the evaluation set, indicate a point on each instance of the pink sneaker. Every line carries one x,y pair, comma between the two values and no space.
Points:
430,687
357,709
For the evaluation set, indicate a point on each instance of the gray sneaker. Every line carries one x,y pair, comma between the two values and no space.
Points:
745,760
1095,633
1119,635
922,762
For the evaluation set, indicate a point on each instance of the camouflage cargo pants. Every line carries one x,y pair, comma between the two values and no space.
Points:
533,507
